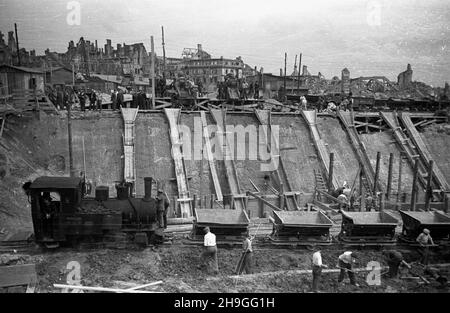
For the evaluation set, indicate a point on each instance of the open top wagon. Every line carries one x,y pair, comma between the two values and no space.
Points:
300,228
229,226
436,222
367,228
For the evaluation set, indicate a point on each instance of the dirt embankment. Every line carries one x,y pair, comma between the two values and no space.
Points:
23,157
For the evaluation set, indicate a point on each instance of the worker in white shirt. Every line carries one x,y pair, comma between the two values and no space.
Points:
317,266
345,264
425,240
209,254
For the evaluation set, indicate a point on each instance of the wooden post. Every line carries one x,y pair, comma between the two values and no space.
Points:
377,173
330,173
212,201
414,186
399,190
175,205
367,122
152,59
429,191
281,201
362,191
363,201
194,202
446,202
389,183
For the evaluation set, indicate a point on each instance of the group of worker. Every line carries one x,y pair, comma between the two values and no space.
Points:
393,258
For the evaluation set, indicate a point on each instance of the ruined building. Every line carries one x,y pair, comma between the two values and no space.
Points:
9,55
404,79
199,65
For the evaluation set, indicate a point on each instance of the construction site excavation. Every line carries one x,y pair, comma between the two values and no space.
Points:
128,171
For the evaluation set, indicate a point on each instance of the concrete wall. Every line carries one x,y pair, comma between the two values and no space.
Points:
345,161
437,140
384,142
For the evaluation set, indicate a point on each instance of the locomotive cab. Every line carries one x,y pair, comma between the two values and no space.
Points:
52,198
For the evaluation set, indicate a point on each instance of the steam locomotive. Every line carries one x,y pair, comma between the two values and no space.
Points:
62,214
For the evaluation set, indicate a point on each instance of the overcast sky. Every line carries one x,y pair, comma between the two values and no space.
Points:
369,37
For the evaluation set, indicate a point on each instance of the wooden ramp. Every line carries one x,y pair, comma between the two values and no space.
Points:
31,100
173,116
264,118
422,149
407,147
233,181
212,165
129,169
324,154
361,153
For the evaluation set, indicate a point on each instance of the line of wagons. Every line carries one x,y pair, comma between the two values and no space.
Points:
305,228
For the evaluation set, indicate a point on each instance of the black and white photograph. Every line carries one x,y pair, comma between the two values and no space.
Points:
225,153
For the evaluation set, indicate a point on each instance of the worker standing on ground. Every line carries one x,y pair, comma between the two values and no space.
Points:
317,266
113,100
246,261
424,240
163,204
208,257
345,264
394,259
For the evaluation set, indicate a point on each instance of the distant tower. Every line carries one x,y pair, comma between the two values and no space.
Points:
305,71
404,79
12,42
345,79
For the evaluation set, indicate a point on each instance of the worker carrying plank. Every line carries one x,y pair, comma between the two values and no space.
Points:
208,258
246,261
317,266
394,260
424,240
345,262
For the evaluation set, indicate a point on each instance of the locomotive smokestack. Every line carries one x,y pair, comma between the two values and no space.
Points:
148,181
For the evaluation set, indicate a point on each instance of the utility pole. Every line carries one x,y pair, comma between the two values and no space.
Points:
17,44
153,71
295,67
300,64
69,126
284,84
164,53
298,74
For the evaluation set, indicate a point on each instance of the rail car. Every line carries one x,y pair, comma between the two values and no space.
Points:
300,228
313,228
61,214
